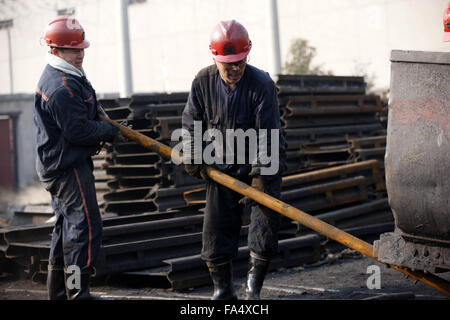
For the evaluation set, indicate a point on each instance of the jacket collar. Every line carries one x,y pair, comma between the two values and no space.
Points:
62,65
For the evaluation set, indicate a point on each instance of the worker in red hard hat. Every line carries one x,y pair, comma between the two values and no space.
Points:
233,95
69,132
447,24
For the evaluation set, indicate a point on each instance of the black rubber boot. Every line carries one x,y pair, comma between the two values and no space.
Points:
257,269
222,277
56,285
81,292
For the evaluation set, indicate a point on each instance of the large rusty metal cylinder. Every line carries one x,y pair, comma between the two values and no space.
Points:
417,156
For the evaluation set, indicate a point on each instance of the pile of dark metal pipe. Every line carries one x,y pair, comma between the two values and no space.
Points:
289,85
191,271
320,124
125,241
148,242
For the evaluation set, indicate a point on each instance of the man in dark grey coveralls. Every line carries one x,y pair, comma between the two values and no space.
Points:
234,95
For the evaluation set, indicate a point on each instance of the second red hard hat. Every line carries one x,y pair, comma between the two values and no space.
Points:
230,42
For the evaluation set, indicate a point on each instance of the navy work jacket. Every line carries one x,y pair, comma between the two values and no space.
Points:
68,126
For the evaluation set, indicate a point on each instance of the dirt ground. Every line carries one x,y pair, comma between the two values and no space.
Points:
338,276
344,275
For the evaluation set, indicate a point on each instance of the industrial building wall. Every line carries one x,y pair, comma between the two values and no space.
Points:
169,38
20,109
6,154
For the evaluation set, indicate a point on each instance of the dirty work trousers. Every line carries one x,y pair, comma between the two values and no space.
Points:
76,237
223,221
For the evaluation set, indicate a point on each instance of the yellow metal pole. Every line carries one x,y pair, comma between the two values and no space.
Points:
285,209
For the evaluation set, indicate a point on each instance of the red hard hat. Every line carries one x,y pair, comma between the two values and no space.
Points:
230,42
65,32
447,24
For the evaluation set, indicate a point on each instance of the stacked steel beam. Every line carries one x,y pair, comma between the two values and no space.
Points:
146,181
161,245
168,244
323,116
101,177
329,123
128,243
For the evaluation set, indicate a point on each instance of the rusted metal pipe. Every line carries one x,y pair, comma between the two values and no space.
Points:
285,209
329,172
195,196
145,141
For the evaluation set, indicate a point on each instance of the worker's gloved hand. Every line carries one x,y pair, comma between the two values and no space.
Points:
102,111
256,174
255,171
126,124
197,170
243,170
257,183
246,201
119,138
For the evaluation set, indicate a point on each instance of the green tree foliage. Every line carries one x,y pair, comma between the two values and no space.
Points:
300,57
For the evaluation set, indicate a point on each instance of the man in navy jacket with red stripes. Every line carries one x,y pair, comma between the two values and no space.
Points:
69,132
